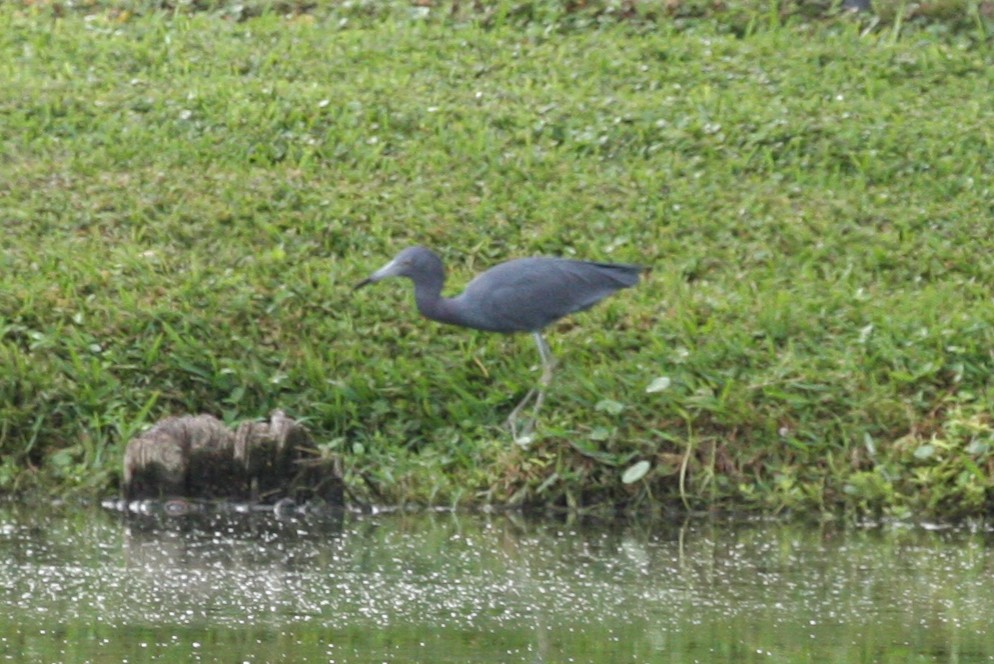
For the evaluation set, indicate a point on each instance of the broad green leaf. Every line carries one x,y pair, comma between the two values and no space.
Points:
635,472
659,384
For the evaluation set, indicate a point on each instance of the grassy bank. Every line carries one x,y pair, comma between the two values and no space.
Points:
186,200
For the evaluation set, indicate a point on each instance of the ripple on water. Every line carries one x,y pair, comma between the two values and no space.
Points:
650,584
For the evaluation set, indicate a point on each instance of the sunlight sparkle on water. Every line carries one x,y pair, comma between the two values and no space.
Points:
497,588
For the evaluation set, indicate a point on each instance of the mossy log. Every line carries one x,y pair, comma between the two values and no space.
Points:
197,456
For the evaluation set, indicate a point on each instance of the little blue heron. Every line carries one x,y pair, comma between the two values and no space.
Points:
521,295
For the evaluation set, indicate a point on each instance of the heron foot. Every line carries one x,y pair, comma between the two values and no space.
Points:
525,435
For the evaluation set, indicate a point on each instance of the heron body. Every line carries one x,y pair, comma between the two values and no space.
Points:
521,295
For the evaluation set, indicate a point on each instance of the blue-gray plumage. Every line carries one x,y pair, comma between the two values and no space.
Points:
521,295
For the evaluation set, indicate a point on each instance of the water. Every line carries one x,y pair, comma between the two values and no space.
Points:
91,585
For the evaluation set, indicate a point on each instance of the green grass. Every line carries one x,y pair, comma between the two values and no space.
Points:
186,200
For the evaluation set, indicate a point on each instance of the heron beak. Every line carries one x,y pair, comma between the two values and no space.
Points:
391,269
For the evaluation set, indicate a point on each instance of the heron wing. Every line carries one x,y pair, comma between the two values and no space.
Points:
529,293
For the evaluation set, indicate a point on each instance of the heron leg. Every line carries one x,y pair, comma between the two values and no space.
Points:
512,420
548,361
536,395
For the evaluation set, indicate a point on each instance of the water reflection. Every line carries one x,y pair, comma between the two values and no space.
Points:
87,585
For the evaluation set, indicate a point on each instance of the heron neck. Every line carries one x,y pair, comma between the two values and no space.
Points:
432,305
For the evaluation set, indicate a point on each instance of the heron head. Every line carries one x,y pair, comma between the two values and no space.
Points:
412,263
